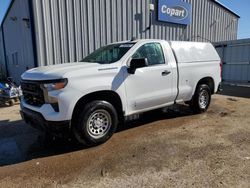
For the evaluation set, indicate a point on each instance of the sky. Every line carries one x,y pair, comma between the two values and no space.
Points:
3,8
241,7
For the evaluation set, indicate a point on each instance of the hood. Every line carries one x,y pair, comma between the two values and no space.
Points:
57,71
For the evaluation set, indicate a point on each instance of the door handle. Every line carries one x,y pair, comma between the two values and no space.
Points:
165,73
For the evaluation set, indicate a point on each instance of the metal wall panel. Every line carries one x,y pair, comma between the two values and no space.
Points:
235,56
68,30
2,58
18,39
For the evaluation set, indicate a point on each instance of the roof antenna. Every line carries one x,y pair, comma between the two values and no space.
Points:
133,38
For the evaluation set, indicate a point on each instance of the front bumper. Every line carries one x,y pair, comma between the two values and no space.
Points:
37,121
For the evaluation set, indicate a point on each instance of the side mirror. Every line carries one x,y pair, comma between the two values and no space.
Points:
137,63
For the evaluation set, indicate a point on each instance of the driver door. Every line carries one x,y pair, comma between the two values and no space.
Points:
151,86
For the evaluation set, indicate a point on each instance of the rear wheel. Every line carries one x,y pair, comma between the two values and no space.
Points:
96,123
201,99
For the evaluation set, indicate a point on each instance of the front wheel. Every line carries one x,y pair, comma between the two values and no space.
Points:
96,123
201,99
11,102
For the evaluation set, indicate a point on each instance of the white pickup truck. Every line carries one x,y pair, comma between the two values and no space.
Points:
89,98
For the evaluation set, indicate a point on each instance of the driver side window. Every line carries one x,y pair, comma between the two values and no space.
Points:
152,51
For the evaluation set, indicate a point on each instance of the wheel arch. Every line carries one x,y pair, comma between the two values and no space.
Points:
110,96
209,81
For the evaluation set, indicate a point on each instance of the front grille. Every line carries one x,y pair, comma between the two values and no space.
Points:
32,93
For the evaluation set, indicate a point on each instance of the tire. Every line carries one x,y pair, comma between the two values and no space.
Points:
96,123
48,138
11,102
201,99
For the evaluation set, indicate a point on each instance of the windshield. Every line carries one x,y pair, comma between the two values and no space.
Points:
108,54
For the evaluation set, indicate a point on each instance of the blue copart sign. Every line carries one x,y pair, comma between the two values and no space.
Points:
174,11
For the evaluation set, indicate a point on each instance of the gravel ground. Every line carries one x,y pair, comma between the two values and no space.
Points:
174,149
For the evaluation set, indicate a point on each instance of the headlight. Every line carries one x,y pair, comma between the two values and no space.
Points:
55,85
